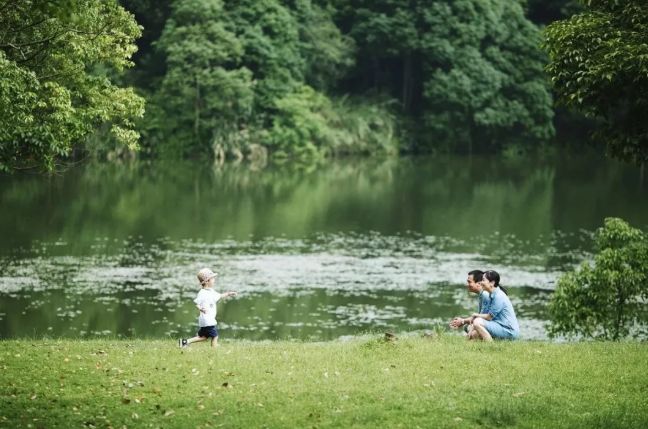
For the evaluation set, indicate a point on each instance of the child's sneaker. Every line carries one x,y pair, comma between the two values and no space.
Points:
182,343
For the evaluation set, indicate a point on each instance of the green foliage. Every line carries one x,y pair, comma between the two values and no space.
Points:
598,65
606,299
486,79
237,74
55,90
206,94
466,71
269,35
327,53
308,124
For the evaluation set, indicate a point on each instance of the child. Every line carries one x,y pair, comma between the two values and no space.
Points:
206,304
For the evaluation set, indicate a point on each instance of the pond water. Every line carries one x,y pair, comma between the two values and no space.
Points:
316,253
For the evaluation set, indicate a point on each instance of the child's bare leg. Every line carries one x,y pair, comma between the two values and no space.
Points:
214,342
196,339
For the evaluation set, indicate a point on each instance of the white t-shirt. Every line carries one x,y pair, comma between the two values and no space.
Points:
207,299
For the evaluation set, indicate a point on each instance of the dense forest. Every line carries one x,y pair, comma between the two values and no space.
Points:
309,78
290,79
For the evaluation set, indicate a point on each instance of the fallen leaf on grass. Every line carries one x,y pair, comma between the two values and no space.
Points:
518,394
169,413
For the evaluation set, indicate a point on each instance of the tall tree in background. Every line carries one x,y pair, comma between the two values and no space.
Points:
599,65
238,72
484,74
207,93
464,70
328,54
56,59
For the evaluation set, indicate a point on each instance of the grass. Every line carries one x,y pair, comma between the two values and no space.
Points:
412,382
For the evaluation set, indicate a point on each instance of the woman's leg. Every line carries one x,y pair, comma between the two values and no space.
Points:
480,328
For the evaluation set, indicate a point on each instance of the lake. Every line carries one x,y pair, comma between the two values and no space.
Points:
316,253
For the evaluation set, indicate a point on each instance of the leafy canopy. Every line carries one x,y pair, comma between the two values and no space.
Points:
464,70
607,298
207,92
253,72
599,65
485,78
56,59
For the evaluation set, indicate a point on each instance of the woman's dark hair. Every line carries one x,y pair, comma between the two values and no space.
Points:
477,275
493,276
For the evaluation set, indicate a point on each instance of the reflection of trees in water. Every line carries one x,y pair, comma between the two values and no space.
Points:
461,197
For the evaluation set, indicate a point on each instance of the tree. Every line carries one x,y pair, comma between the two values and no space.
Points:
485,74
327,53
464,70
56,63
238,72
207,94
606,299
599,66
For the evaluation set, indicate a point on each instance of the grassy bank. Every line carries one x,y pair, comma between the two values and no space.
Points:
367,382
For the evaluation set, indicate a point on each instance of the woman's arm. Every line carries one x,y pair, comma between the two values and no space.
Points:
485,316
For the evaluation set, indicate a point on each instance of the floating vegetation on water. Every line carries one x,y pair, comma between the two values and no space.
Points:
323,287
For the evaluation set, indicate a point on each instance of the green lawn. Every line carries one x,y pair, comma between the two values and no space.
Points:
367,382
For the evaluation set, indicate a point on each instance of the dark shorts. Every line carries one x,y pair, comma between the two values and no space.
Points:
208,332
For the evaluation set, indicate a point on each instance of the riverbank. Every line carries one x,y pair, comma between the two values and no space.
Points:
365,382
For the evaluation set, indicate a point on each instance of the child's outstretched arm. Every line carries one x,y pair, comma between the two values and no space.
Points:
228,294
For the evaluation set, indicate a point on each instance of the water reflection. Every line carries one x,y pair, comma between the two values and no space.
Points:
316,253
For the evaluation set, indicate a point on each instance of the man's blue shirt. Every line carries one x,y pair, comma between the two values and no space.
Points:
484,302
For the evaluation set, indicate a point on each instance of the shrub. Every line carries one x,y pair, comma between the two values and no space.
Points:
605,299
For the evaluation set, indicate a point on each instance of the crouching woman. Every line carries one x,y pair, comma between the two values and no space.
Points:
499,321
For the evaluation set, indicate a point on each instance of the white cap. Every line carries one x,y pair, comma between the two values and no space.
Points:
205,275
